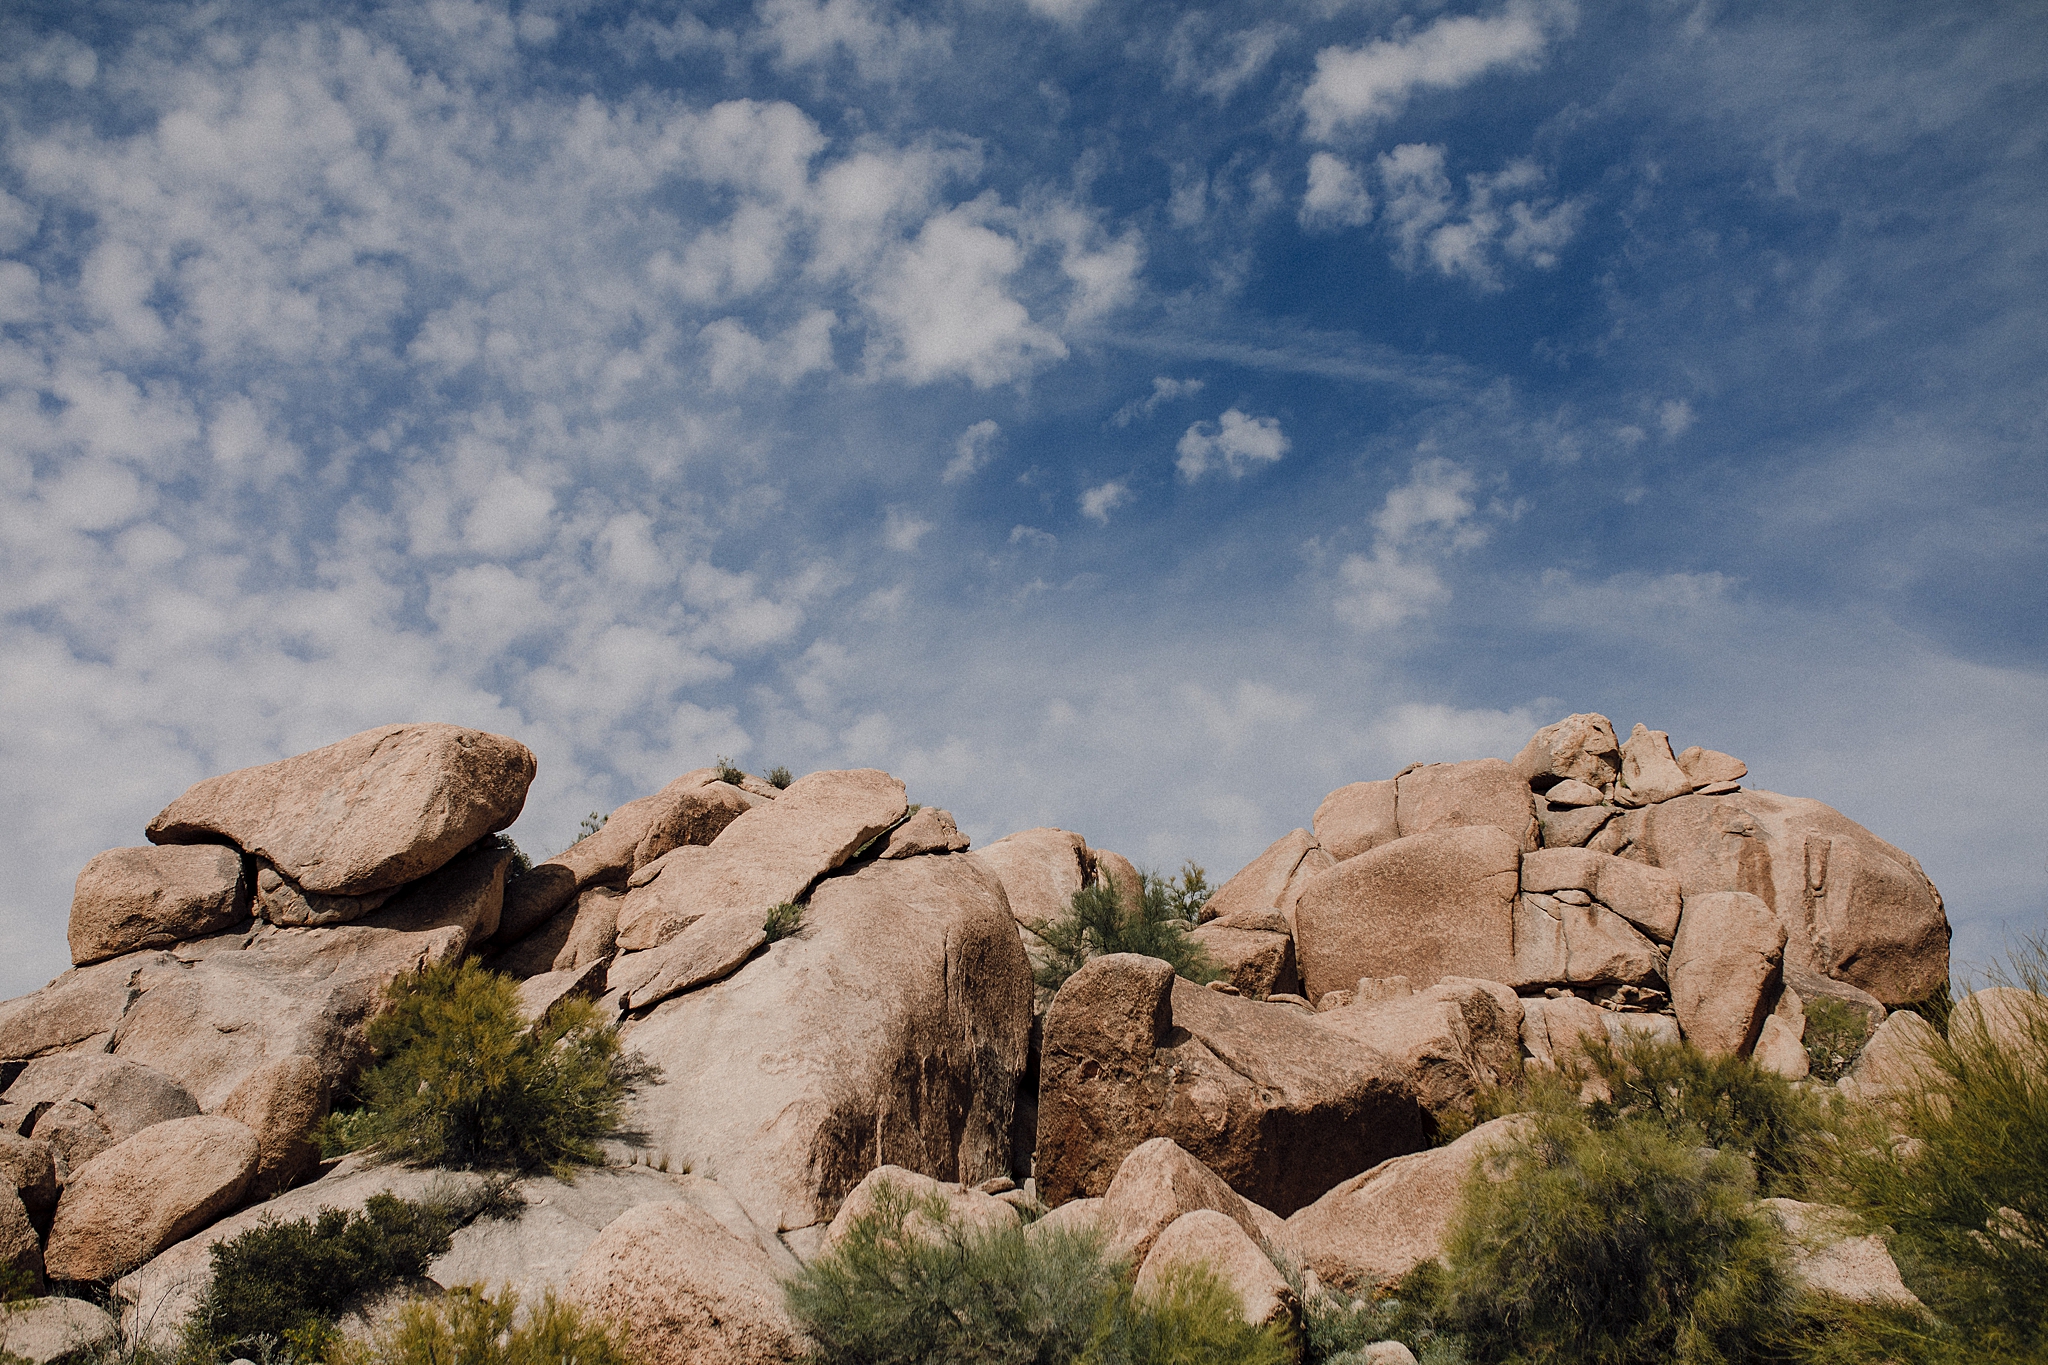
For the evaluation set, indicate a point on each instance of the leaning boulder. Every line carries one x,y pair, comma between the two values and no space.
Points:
129,898
80,1007
1272,881
1259,961
1159,1183
1649,770
1456,1040
687,1289
21,1251
1426,906
1725,969
891,1027
90,1102
929,830
1204,1237
141,1195
1580,748
29,1169
367,814
281,1102
1357,818
1256,1092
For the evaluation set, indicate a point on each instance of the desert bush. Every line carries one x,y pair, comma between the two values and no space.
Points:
779,777
472,1326
1189,891
1619,1246
1097,922
462,1079
909,1285
1966,1197
1337,1327
280,1286
1835,1034
783,920
728,771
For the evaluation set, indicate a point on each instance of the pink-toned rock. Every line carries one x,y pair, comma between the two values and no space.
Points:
538,995
1724,969
1262,883
285,903
1647,897
129,898
81,1005
964,1207
692,810
1455,1040
21,1251
1899,1058
1573,827
1425,906
1649,770
1207,1238
90,1102
1356,818
1710,767
29,1169
929,830
1159,1183
1712,843
1780,1051
688,1290
1254,1091
891,1029
372,812
1578,748
146,1192
1828,1257
2010,1018
1259,962
1082,1216
1485,791
1371,1230
281,1102
574,939
1557,1030
1572,792
1559,942
1040,870
649,915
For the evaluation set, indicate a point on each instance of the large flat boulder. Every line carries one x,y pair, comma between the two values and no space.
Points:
928,830
1830,1257
142,1194
129,898
369,813
688,1290
1426,906
1455,1040
891,1028
1725,969
216,1010
1484,791
1256,1092
1371,1230
89,1101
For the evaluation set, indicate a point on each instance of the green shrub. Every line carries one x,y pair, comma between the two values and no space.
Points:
1835,1034
728,771
284,1284
1190,1318
1336,1327
783,920
1966,1197
1626,1246
472,1326
462,1079
779,777
1097,922
1189,891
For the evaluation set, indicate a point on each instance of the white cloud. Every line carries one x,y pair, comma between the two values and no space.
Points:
736,357
1098,502
1060,11
1431,229
1032,536
1371,83
1164,390
1336,196
1218,68
1236,442
1675,417
972,450
1421,520
903,528
883,48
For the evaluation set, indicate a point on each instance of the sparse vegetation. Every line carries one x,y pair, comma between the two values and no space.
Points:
590,825
911,1285
728,771
1835,1034
1098,922
462,1079
779,777
1189,891
783,921
472,1326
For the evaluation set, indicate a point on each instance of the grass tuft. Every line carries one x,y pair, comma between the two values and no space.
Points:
472,1326
784,921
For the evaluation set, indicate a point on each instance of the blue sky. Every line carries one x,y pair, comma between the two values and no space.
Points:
1131,417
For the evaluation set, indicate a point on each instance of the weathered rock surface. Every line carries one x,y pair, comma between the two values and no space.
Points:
1708,767
1157,1184
1573,827
1454,1040
1485,791
538,995
576,937
81,1005
1572,793
1898,1057
1649,770
280,1102
1557,1030
891,1028
1039,869
1204,1237
48,1331
1254,1091
367,814
1355,819
1371,1230
91,1101
1647,897
2012,1019
1724,969
1263,882
146,1192
1579,748
21,1251
965,1207
1779,1050
688,1290
1560,941
1828,1259
129,898
1259,962
30,1170
929,830
1425,906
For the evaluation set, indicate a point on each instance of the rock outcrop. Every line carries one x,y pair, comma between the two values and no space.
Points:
141,1195
129,898
1205,1238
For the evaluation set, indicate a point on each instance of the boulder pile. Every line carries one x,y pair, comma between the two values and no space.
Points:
1425,938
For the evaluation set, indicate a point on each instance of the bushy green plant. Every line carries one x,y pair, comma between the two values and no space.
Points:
472,1326
1622,1246
280,1286
1337,1327
462,1079
728,771
1098,922
1966,1195
1190,1317
779,777
1189,891
1835,1034
783,921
